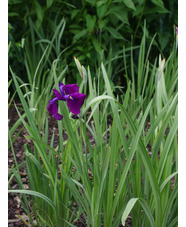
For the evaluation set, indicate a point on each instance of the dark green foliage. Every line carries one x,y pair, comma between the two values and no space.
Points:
95,31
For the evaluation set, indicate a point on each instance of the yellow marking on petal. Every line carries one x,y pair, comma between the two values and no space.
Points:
70,97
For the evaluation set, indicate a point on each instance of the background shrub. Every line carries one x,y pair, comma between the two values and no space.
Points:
95,31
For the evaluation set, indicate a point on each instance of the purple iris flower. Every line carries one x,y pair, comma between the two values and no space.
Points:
69,93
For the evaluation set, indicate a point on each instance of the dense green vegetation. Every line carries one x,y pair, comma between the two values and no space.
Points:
93,31
127,65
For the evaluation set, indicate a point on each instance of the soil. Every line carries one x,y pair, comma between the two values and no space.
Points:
15,209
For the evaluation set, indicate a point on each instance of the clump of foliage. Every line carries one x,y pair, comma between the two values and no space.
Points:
94,30
131,162
130,91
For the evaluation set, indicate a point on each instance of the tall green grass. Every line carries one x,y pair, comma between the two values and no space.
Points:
42,58
131,166
52,201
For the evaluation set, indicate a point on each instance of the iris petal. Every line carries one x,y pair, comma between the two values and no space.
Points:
61,85
58,95
58,116
76,102
50,105
71,94
71,89
54,108
49,108
75,116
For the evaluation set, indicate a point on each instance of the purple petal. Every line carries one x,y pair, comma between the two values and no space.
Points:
58,116
49,108
52,109
58,95
76,102
75,116
71,89
61,85
52,106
